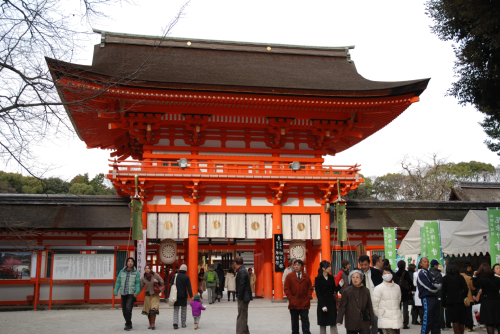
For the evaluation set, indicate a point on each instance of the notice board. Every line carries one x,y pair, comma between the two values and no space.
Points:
83,266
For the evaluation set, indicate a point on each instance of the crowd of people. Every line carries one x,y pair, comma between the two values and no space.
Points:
366,300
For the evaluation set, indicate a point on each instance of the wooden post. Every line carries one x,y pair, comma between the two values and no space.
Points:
113,285
278,276
326,249
193,246
37,278
51,281
267,268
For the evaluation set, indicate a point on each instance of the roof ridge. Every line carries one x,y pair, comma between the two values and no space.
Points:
123,38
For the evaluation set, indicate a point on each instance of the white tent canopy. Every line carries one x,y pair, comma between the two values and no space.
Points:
411,242
470,236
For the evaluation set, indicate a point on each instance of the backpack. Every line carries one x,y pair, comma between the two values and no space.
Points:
211,277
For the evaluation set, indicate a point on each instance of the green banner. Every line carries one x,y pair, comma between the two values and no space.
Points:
432,241
340,209
423,244
494,227
390,245
136,220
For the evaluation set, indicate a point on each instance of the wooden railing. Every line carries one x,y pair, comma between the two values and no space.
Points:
172,168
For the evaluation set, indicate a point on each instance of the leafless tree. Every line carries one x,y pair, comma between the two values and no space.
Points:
30,108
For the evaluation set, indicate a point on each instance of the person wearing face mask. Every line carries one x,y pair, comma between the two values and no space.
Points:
386,300
325,287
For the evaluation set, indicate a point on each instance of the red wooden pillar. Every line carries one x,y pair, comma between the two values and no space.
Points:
193,246
278,276
326,249
267,268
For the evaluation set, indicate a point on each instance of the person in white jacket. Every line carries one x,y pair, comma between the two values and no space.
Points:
230,284
386,300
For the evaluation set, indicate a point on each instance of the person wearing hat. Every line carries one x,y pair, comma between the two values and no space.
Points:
128,284
183,284
197,307
437,270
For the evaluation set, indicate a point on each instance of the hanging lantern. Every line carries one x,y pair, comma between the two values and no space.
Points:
341,210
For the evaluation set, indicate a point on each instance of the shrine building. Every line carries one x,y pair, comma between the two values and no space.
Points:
228,141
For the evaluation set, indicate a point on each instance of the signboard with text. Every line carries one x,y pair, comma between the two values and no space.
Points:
83,266
432,241
494,234
279,257
390,245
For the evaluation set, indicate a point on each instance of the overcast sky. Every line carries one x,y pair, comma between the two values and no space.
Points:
393,43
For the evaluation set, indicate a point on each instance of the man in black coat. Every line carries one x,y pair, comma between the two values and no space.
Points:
244,295
372,277
183,284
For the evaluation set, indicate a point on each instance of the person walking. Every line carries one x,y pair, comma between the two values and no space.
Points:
288,270
372,277
220,286
428,287
436,271
417,309
356,306
343,274
386,300
325,287
196,308
128,284
212,282
253,279
406,286
469,320
244,295
453,293
230,284
183,284
489,311
298,290
151,306
202,287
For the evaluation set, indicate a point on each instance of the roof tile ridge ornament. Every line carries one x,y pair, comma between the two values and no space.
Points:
124,38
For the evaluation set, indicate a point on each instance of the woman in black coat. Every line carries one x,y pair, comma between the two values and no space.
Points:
325,287
222,281
405,282
490,297
183,284
454,291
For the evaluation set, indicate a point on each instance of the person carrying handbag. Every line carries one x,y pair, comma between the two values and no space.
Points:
356,306
403,279
151,282
183,289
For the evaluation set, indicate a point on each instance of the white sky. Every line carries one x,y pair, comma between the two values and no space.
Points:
393,43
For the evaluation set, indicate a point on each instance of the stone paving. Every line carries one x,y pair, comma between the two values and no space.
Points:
265,317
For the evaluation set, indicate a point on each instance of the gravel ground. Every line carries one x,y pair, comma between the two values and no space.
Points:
264,317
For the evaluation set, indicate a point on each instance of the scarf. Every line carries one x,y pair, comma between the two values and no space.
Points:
148,276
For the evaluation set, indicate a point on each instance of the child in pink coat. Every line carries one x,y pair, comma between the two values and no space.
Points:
197,306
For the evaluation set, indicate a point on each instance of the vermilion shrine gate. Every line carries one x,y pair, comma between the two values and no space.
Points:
253,123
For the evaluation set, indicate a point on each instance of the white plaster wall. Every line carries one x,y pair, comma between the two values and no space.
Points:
158,200
15,292
235,144
291,201
238,154
212,200
101,291
62,291
211,143
260,201
289,146
258,144
172,152
310,202
235,201
178,200
180,142
163,142
304,146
